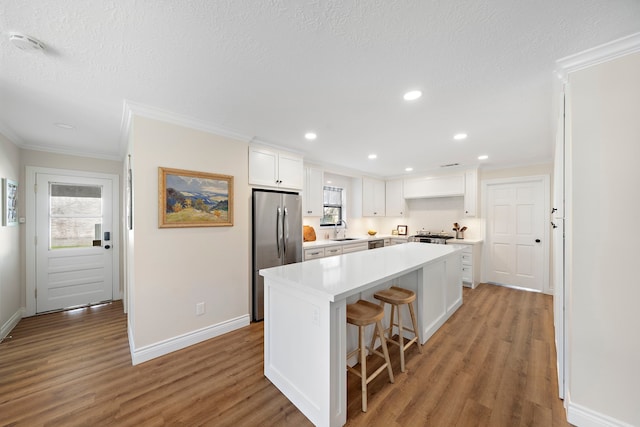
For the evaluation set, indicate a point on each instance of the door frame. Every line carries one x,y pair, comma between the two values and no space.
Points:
544,179
30,231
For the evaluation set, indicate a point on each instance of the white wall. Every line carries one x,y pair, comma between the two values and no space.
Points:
604,199
10,248
176,268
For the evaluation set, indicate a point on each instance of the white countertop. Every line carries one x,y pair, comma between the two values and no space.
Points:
330,242
464,241
338,277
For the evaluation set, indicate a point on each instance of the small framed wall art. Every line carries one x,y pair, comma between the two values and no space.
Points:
402,230
194,199
9,202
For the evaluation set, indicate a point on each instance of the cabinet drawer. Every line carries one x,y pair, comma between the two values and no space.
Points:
333,250
355,248
467,274
467,259
313,253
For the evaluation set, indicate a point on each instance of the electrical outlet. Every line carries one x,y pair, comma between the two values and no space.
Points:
200,309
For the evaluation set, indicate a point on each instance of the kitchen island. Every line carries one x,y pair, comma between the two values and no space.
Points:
306,338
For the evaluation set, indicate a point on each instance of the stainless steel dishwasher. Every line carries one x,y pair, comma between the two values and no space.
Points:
373,244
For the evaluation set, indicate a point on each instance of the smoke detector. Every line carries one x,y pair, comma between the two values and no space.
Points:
24,42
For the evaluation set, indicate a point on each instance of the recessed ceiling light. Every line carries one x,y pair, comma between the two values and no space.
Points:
412,95
24,42
460,136
310,136
483,157
328,182
373,156
408,169
64,126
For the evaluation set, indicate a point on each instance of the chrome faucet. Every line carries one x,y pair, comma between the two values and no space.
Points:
335,229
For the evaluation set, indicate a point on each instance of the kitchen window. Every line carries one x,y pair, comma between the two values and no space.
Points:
332,206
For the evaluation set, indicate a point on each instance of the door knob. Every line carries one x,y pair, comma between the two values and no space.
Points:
537,240
107,247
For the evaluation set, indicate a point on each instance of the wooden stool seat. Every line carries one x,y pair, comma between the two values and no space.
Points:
361,314
396,297
364,313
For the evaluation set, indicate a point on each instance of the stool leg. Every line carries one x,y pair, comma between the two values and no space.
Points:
400,340
363,368
374,336
415,326
391,322
385,351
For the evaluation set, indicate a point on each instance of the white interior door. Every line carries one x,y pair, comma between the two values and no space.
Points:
515,233
74,241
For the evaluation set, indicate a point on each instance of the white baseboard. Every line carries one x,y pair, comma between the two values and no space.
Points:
143,354
581,416
11,323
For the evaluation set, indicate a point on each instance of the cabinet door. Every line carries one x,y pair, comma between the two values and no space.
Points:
470,193
313,192
263,167
394,199
290,171
373,197
439,186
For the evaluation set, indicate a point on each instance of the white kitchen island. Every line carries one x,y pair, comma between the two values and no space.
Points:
306,338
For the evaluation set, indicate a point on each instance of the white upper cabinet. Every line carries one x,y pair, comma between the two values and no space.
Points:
471,193
395,203
272,168
373,197
435,186
313,192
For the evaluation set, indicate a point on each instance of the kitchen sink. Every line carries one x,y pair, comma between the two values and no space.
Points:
345,239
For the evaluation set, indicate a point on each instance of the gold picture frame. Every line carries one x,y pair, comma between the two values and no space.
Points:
194,199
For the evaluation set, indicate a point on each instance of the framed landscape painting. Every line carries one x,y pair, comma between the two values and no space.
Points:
194,199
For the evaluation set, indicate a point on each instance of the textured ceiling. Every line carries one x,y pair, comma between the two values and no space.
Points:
272,70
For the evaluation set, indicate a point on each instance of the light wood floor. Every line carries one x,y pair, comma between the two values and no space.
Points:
492,364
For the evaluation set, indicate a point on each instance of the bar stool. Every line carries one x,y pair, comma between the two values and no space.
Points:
362,314
396,297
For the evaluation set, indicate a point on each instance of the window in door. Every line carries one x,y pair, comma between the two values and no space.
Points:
75,216
332,206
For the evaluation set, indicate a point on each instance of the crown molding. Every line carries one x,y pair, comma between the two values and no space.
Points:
131,108
11,135
597,55
71,152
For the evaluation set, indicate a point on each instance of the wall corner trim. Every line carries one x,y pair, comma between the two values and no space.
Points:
597,55
131,108
170,345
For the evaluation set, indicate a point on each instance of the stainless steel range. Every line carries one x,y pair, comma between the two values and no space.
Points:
428,237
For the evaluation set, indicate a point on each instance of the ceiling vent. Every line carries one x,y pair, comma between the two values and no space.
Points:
25,42
450,165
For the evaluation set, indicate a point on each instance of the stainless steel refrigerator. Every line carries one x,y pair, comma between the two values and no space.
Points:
277,237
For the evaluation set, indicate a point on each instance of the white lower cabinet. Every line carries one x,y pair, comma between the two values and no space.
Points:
333,250
355,247
313,253
396,241
471,265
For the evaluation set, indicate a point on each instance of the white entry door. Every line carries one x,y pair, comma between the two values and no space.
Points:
74,241
516,234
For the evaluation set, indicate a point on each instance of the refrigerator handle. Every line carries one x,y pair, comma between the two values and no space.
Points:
285,231
278,234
